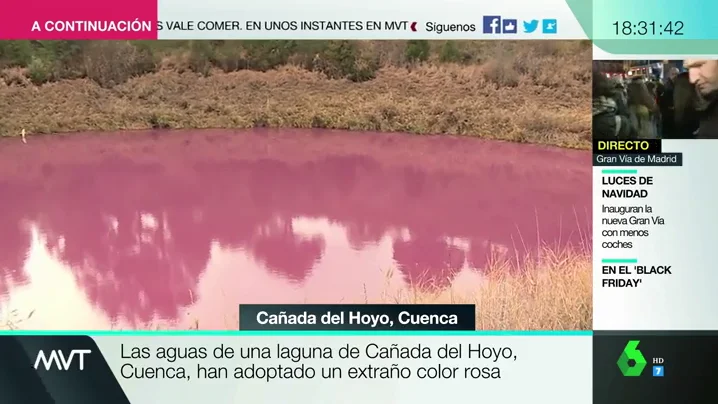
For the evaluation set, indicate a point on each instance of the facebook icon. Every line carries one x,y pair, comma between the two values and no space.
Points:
509,26
492,24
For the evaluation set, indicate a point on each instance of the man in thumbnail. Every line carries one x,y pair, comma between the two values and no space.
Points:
643,110
703,74
608,120
665,101
686,117
620,94
671,75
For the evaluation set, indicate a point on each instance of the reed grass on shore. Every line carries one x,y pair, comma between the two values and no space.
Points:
555,293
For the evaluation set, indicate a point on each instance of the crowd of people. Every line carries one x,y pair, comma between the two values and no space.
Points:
681,106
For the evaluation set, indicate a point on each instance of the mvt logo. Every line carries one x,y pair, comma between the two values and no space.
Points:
59,360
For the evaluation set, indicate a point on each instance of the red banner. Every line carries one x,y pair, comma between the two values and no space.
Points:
78,19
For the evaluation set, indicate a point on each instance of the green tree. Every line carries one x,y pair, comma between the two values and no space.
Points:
417,51
450,53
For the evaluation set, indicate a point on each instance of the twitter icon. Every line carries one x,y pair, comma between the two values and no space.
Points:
530,26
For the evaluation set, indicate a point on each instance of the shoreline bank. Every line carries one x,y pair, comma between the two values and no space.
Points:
444,100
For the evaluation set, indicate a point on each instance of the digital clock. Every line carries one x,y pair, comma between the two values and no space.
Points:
648,28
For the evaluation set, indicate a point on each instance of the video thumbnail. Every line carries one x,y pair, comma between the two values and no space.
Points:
653,99
157,185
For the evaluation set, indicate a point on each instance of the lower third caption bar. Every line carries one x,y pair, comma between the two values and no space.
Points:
357,317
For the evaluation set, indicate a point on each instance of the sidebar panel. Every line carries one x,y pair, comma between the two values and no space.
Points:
655,238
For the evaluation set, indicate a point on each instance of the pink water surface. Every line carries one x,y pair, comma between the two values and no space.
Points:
171,229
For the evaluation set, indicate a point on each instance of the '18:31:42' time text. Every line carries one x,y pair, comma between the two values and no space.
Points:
648,28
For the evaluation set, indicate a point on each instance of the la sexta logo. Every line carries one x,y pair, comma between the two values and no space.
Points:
59,360
631,362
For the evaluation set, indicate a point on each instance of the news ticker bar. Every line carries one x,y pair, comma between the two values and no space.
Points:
480,28
637,367
281,19
385,317
646,27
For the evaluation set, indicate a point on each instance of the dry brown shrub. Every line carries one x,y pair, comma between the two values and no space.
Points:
14,77
109,63
502,72
555,293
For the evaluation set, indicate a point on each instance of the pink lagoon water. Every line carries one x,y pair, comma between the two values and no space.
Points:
175,229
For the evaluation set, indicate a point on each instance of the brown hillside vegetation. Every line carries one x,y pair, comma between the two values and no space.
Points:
525,91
